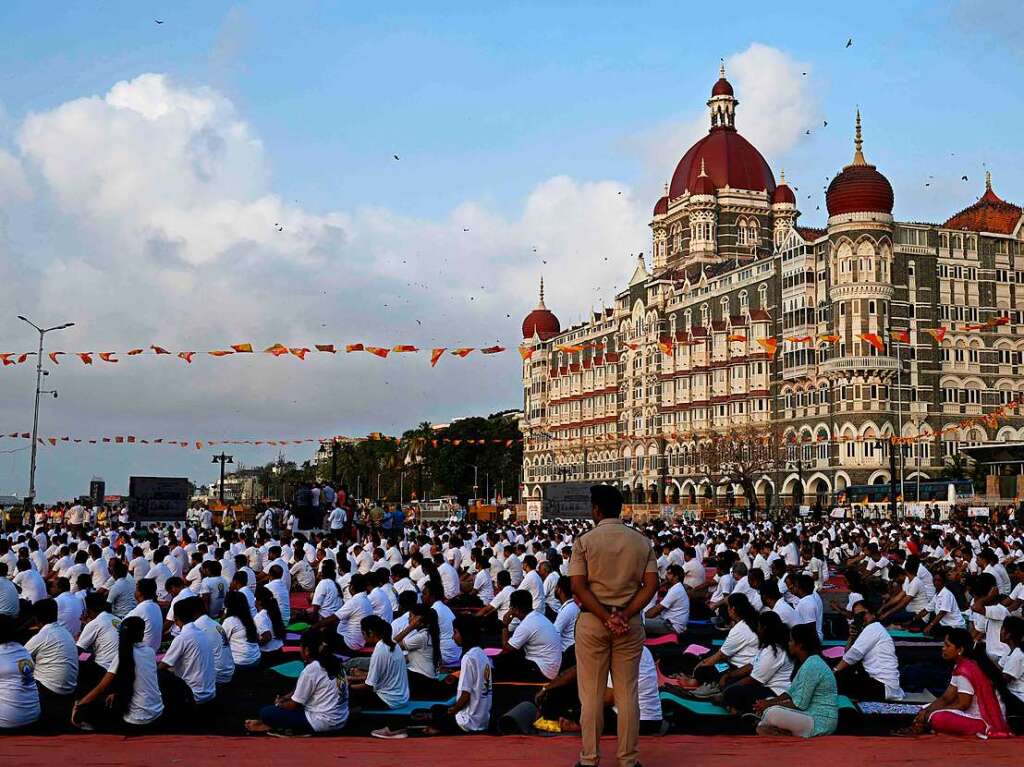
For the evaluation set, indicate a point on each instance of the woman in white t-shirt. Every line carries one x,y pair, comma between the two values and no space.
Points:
386,684
421,642
19,696
319,702
130,685
739,649
241,632
327,599
769,674
269,625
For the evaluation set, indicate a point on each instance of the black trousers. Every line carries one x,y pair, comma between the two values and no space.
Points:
741,697
422,687
854,682
514,667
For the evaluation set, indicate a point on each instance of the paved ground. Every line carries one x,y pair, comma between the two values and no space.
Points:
693,751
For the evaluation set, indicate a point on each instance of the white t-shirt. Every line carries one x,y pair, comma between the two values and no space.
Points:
419,653
694,573
875,649
484,586
146,703
279,589
944,601
121,596
387,675
56,658
533,583
150,613
19,696
501,601
350,617
676,607
191,657
69,613
475,678
811,610
540,643
100,637
740,645
8,598
244,652
324,700
918,597
32,585
327,597
217,588
992,624
450,652
264,625
223,660
1013,667
772,668
565,623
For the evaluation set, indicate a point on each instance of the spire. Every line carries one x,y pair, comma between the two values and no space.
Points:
721,68
782,176
988,181
541,304
858,144
703,171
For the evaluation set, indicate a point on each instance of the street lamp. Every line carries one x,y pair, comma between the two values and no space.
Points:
222,459
35,416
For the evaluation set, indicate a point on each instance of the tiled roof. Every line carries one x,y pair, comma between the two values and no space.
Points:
810,233
988,214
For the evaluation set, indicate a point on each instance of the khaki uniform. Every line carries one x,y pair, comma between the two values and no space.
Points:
614,559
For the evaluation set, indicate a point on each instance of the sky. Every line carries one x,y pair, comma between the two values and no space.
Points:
229,176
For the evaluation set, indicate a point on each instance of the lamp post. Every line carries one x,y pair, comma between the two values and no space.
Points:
222,459
35,416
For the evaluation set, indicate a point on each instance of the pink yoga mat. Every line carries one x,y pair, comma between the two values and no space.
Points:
667,639
697,649
490,652
833,652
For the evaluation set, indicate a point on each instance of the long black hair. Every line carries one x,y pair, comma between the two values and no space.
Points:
977,652
266,598
380,627
237,606
433,629
746,612
772,631
329,572
132,631
313,642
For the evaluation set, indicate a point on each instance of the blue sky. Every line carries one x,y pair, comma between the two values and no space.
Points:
487,106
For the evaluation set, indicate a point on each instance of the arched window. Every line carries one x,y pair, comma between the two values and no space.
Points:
725,308
744,300
705,315
672,326
762,296
687,320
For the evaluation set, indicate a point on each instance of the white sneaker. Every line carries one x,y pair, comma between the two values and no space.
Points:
386,733
708,690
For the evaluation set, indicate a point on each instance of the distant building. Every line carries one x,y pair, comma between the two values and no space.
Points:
634,395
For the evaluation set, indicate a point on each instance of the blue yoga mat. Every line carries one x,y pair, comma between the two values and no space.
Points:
408,708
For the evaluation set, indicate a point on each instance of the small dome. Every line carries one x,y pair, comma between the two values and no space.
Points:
703,184
661,206
541,321
782,193
722,87
859,187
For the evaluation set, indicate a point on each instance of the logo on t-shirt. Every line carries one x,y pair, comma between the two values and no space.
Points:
26,669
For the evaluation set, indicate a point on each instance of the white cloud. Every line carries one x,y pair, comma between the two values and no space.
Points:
168,194
13,184
777,104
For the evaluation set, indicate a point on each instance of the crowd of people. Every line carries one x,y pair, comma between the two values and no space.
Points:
110,625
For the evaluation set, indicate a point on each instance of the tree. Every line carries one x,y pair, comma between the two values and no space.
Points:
959,467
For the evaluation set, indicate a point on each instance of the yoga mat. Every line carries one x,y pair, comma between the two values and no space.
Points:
492,652
291,636
901,634
662,640
697,649
833,652
721,668
289,670
408,708
297,627
703,707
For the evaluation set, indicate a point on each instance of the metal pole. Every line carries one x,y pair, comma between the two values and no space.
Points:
221,459
899,405
35,419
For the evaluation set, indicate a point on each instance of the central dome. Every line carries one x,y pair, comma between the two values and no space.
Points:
727,158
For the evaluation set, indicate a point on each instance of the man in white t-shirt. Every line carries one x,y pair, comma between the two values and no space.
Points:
191,655
53,651
672,613
149,611
534,651
869,669
99,636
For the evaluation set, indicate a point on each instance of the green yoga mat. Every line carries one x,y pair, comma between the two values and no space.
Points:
702,707
901,634
289,670
298,627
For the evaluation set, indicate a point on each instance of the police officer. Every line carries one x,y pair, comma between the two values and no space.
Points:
614,575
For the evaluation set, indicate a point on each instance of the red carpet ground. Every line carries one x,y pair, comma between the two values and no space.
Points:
839,751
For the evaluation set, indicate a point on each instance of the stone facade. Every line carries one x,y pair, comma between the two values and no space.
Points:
630,396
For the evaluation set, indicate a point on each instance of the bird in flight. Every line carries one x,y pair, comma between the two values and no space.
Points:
963,178
158,21
849,42
395,156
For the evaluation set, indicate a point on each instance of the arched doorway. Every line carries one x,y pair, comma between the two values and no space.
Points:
652,494
821,493
798,493
627,494
673,494
693,494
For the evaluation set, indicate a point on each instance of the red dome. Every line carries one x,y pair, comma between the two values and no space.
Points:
661,206
730,160
703,185
859,189
783,194
543,322
721,88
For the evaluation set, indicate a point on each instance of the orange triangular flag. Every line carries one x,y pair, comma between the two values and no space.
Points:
327,348
738,338
353,348
135,352
463,352
435,355
874,339
277,350
187,356
493,350
770,345
108,356
829,339
220,352
242,348
570,348
937,333
52,441
665,344
378,351
159,350
400,348
85,357
299,351
525,352
53,357
25,356
903,336
6,358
